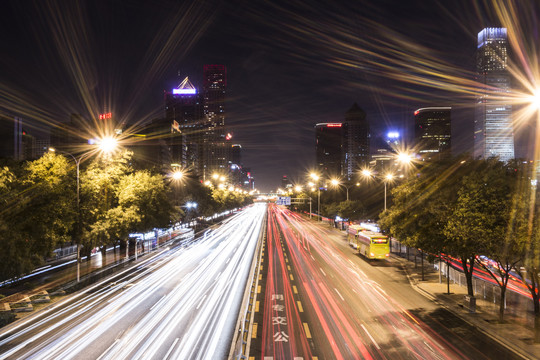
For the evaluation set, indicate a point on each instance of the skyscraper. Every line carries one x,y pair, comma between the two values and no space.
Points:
328,149
184,115
433,132
493,131
215,149
356,149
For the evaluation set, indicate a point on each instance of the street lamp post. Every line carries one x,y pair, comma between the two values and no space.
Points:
106,145
316,178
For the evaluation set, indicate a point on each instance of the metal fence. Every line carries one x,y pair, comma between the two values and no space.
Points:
518,307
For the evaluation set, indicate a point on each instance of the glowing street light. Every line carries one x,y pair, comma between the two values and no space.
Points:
106,145
316,178
336,183
386,178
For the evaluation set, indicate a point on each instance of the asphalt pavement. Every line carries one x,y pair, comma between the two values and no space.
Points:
511,334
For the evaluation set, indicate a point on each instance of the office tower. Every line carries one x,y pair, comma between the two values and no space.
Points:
493,131
185,124
215,151
356,149
328,149
236,154
432,133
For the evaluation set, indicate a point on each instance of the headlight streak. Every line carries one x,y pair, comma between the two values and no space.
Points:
192,271
419,339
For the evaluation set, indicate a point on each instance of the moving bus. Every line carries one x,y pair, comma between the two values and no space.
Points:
368,243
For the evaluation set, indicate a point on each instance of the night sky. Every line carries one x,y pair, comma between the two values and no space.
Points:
290,65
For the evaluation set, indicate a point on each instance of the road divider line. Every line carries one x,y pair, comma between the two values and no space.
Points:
171,349
257,306
291,277
109,348
254,330
371,337
323,271
339,294
312,257
300,308
200,303
306,329
294,289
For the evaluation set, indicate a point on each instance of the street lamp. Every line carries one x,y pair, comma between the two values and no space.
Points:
336,183
386,178
106,145
316,178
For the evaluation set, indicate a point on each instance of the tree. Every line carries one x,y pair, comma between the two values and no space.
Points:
478,219
38,212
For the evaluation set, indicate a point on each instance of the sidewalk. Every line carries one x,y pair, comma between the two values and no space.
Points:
511,334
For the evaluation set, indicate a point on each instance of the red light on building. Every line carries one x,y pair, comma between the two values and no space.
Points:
334,125
105,116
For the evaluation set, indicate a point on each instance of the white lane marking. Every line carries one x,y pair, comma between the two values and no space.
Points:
323,271
339,294
198,306
156,304
312,257
229,259
371,337
171,349
109,348
354,291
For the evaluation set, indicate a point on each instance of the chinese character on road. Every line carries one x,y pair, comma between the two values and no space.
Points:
281,336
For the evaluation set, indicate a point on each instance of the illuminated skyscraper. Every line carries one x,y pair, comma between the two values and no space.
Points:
493,131
356,150
215,149
433,132
184,121
328,149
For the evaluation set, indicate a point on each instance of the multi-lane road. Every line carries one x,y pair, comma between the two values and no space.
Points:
316,299
180,304
321,300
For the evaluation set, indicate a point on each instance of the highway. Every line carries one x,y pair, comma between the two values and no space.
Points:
321,300
181,303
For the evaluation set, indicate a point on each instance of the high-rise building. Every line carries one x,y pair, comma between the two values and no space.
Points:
328,149
432,132
493,130
356,151
215,151
15,142
185,120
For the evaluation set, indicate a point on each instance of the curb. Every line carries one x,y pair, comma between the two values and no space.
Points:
517,351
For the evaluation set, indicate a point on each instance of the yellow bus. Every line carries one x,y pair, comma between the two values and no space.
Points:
368,243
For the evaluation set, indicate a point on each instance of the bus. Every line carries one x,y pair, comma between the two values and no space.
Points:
368,243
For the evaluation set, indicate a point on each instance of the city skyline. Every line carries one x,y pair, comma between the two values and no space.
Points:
123,56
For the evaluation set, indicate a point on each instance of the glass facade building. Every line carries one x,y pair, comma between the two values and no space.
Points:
493,130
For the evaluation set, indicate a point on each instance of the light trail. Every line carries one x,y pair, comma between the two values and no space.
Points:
346,316
173,307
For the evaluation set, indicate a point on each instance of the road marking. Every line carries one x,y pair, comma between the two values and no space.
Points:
323,271
294,289
218,275
260,276
354,291
371,337
306,329
254,331
339,294
300,308
312,257
257,306
229,259
201,302
259,289
109,348
409,315
292,277
153,306
289,267
350,261
171,348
